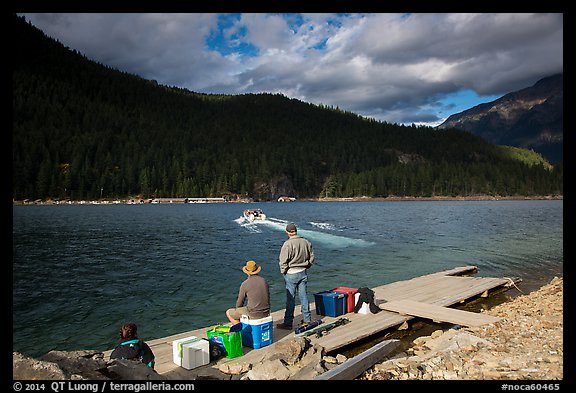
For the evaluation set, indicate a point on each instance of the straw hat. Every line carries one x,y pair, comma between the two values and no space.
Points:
251,268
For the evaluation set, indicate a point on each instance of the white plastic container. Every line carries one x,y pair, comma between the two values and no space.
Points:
191,352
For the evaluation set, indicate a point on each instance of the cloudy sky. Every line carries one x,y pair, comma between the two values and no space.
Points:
401,68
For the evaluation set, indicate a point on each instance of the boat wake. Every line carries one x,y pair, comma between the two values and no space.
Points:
250,226
325,225
329,239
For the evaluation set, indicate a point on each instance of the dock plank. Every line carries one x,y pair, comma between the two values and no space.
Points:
439,313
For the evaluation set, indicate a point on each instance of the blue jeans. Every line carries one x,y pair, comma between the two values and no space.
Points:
296,283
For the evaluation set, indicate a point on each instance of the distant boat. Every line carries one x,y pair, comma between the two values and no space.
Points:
254,215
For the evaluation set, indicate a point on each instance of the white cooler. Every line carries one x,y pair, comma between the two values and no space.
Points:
191,352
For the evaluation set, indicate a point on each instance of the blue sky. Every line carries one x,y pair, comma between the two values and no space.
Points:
400,68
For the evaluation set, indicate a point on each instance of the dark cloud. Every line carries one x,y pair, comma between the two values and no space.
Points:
395,67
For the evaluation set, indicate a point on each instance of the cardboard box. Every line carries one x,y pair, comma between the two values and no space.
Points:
191,352
256,333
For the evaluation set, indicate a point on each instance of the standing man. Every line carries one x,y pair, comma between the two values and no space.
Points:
296,256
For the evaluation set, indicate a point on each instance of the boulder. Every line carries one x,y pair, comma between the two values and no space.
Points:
234,368
25,368
291,351
85,364
126,369
79,365
273,369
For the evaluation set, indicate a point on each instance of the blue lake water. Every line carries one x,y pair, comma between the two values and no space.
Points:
79,271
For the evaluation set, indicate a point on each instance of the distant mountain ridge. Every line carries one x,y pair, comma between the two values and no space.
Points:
530,118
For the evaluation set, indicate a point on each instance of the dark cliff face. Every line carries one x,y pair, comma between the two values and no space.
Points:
530,118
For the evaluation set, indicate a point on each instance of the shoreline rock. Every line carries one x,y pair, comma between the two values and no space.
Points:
527,343
79,365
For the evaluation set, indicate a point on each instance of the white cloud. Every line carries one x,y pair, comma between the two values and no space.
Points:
395,67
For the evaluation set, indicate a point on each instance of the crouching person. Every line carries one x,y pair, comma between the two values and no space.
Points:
131,347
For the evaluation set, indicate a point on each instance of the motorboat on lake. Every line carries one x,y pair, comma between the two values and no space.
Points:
254,215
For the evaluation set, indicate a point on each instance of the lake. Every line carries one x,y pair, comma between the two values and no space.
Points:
79,271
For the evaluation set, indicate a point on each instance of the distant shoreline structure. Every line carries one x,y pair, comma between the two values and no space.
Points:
135,201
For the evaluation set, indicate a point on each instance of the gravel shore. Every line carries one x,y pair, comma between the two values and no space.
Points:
526,344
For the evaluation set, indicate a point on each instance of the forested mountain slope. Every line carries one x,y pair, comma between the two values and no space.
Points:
84,130
531,118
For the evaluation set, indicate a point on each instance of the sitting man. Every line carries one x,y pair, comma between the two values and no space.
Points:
255,289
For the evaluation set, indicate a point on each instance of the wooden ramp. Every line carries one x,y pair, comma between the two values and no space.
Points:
441,289
438,313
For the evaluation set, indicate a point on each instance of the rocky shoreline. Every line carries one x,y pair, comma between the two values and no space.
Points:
526,344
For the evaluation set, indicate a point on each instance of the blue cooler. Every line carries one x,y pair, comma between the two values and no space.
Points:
256,333
330,303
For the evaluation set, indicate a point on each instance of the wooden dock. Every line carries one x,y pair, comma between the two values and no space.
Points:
441,290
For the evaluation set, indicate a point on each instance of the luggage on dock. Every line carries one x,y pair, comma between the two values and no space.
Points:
229,338
216,350
342,300
350,300
191,352
366,296
256,333
330,303
361,306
